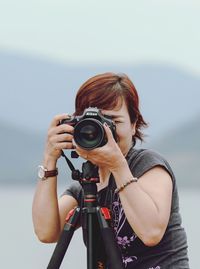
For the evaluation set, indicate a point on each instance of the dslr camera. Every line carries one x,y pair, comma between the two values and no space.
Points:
89,132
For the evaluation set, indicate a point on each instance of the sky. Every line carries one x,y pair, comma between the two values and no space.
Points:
92,32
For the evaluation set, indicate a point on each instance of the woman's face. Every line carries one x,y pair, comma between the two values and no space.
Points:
124,128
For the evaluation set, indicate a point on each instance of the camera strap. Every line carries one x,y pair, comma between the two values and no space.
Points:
68,161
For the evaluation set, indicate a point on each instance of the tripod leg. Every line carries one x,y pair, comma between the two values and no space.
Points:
65,238
111,248
92,235
90,239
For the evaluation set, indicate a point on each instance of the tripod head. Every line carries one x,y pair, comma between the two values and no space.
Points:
89,170
88,177
89,173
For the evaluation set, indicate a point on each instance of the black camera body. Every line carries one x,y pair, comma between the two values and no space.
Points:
89,131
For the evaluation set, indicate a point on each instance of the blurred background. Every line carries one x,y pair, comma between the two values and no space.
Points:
47,50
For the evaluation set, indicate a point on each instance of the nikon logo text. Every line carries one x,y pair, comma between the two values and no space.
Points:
91,114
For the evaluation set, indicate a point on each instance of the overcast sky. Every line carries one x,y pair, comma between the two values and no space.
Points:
106,31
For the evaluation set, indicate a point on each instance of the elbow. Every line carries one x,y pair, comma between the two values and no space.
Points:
47,237
46,232
152,239
151,242
47,240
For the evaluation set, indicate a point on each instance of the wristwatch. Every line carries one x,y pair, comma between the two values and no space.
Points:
43,173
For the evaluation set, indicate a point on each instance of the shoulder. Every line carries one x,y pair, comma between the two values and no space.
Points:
135,156
142,160
74,190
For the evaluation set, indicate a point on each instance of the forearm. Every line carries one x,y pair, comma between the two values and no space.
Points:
45,208
140,209
46,212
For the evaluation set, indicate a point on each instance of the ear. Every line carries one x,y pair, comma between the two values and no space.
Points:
133,128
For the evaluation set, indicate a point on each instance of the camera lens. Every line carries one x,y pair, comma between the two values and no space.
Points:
89,133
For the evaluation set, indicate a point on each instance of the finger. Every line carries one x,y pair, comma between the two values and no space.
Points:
62,138
108,132
56,120
81,152
73,143
80,149
63,145
65,128
61,129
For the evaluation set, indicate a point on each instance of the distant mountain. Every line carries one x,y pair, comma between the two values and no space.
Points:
22,152
33,90
181,147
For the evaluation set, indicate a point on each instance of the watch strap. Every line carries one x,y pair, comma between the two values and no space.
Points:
52,173
44,173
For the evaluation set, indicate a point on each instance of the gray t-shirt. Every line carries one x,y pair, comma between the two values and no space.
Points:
171,252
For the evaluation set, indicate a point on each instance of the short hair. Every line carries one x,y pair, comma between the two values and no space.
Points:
104,91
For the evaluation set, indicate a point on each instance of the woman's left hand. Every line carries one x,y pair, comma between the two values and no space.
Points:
108,156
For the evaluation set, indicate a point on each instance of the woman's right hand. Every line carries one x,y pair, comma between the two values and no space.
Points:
59,137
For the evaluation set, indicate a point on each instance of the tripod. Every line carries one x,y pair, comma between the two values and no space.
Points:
95,223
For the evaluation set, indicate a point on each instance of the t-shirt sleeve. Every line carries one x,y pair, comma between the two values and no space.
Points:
146,160
74,190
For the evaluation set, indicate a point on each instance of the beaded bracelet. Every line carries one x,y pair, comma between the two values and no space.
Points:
134,179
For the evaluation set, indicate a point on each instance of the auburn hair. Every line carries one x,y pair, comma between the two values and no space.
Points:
107,91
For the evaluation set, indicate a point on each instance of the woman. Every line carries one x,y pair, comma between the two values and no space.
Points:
138,185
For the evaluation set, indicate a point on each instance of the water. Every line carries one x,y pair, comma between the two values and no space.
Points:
21,249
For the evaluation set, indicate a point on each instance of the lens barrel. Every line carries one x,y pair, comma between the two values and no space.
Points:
89,134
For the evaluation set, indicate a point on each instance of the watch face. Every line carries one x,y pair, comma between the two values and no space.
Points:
41,172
